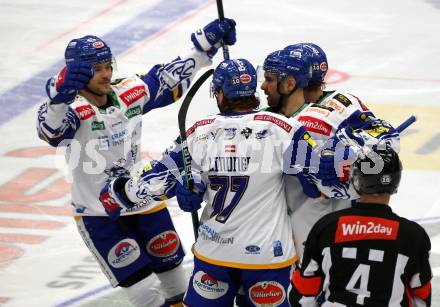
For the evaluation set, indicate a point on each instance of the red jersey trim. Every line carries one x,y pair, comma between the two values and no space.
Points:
423,292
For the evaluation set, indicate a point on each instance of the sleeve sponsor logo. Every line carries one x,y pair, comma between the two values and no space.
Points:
85,112
124,253
208,287
343,99
267,293
199,123
355,228
335,105
164,244
132,95
277,121
315,125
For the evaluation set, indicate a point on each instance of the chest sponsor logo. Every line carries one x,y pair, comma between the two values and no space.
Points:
355,228
210,234
277,121
98,125
267,293
133,112
208,287
164,244
277,248
132,95
85,112
124,253
199,123
315,125
252,249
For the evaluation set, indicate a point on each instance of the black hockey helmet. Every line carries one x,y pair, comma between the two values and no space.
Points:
377,172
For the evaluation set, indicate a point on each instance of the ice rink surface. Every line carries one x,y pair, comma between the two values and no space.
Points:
385,52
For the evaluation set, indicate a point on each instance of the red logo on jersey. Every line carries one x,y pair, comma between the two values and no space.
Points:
279,122
245,78
229,148
267,293
164,244
355,228
199,123
323,66
85,112
132,95
315,125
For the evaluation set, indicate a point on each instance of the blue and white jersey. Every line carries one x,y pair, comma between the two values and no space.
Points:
104,143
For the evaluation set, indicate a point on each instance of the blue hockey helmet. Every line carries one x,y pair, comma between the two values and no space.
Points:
292,62
88,49
317,59
236,78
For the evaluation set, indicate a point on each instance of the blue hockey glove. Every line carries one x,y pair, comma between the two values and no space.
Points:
190,200
209,38
113,197
65,85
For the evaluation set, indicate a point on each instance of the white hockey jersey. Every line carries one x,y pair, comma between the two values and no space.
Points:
104,143
242,158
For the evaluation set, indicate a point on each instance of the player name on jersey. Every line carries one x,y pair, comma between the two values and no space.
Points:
229,164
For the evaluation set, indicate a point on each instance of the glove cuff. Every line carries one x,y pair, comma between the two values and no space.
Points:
116,190
200,40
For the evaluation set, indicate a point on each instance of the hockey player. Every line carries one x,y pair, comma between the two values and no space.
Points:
366,255
100,123
242,155
322,113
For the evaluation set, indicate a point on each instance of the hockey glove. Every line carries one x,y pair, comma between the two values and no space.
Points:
335,162
210,37
190,200
63,87
113,197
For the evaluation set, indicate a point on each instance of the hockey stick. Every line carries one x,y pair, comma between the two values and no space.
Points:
185,151
221,16
411,120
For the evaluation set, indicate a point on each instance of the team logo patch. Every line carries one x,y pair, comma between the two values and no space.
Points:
132,95
262,134
355,228
277,248
199,123
277,121
98,44
267,293
208,287
315,125
124,253
246,132
164,244
85,112
245,78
